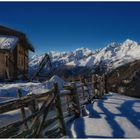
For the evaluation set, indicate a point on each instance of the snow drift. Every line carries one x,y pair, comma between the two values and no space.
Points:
11,89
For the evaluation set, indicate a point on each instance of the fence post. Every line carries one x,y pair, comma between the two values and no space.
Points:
82,82
19,95
76,99
59,109
98,86
93,87
36,120
105,83
88,91
102,84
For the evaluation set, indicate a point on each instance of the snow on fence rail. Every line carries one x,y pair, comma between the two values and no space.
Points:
48,112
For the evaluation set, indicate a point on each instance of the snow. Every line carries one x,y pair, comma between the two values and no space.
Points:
8,42
112,56
58,80
12,116
11,89
113,116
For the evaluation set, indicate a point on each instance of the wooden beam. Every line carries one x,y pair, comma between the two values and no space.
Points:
59,109
23,115
16,103
76,100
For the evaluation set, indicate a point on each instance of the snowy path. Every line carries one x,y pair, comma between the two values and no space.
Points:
112,116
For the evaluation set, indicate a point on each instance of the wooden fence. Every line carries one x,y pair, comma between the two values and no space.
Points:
46,114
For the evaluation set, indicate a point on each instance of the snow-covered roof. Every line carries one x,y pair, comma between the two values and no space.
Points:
6,31
8,42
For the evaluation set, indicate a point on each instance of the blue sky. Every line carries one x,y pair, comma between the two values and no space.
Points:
66,26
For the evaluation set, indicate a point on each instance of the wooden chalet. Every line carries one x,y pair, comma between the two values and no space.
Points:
14,53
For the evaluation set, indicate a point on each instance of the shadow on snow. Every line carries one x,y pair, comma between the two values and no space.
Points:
126,109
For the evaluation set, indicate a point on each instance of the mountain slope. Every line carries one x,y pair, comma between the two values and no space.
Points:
125,79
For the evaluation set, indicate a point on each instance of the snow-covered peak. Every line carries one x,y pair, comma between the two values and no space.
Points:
83,49
113,45
81,52
56,54
129,42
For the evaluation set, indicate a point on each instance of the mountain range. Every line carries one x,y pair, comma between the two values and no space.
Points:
106,59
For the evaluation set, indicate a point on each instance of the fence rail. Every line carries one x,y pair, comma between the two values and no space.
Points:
48,112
